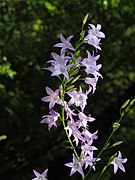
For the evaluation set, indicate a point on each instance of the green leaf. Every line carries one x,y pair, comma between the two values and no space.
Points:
73,80
70,88
73,72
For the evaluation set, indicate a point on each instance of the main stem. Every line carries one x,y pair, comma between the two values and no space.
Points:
63,122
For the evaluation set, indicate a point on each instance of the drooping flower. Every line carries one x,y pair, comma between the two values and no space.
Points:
42,176
73,130
52,98
75,166
89,136
118,162
51,119
65,43
83,119
92,82
69,112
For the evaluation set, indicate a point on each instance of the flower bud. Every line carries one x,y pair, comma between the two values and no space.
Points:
116,125
85,18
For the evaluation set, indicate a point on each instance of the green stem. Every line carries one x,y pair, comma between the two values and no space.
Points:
101,151
71,144
105,146
83,178
102,172
77,47
63,122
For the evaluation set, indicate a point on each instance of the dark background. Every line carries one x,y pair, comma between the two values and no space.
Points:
28,30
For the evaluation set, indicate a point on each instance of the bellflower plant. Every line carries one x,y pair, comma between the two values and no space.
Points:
72,100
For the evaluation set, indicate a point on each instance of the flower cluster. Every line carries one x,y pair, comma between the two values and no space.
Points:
66,66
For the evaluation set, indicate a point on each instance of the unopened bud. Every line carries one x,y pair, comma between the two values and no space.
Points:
116,126
85,18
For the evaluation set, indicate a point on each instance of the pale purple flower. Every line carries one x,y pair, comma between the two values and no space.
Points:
90,61
69,112
83,119
94,36
65,43
59,64
78,98
118,162
96,31
61,69
91,66
87,148
41,176
92,82
59,59
89,161
51,119
89,136
75,166
52,98
93,40
95,72
73,130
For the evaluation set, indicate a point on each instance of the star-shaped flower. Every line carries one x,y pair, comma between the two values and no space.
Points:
89,136
41,176
83,119
94,36
75,166
91,65
59,64
65,43
96,30
51,119
118,162
78,98
90,60
87,148
52,98
73,130
89,161
93,40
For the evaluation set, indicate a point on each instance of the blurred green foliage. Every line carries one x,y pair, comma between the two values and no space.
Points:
28,30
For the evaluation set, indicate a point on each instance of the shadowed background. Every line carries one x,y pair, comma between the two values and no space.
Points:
28,31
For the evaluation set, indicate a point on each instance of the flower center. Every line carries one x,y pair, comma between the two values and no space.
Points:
41,178
62,69
76,165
